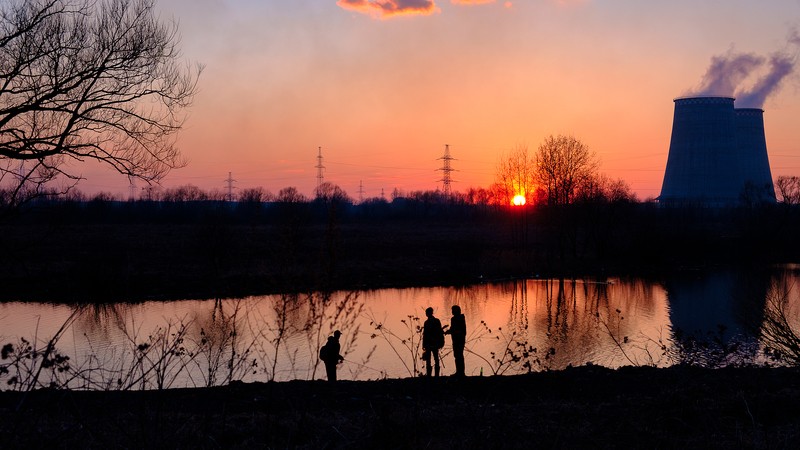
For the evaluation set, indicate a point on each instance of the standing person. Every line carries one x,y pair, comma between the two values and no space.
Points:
432,341
329,354
458,333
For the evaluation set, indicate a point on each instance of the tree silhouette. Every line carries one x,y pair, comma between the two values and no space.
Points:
290,194
88,80
563,163
789,189
516,175
328,192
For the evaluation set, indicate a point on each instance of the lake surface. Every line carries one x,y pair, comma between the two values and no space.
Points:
513,327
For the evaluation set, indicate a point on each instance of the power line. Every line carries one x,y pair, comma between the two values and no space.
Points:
374,166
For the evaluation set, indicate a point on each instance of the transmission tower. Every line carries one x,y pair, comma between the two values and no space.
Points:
229,184
446,170
320,168
360,191
131,189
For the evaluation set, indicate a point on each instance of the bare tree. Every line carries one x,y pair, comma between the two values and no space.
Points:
255,195
780,332
185,193
328,192
290,195
599,187
515,174
563,163
88,80
789,189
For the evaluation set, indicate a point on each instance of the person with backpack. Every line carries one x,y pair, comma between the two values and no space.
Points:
329,354
432,341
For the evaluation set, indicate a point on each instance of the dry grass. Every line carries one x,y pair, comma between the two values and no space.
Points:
587,407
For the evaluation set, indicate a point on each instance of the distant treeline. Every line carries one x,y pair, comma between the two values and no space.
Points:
190,203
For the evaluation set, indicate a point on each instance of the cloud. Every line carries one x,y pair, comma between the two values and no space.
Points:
382,9
570,2
794,37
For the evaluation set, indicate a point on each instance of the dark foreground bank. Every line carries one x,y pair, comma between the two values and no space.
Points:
586,407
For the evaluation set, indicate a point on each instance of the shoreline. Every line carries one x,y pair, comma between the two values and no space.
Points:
588,406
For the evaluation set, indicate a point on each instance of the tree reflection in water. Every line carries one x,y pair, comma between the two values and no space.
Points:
711,319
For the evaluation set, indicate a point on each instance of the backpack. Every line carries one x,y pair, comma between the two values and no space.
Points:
323,352
438,341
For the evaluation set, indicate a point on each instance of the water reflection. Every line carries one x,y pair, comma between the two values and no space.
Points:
512,327
719,312
727,302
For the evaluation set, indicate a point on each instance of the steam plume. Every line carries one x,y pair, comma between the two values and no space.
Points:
726,73
780,66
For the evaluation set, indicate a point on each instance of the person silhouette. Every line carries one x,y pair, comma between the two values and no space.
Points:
432,341
458,333
329,354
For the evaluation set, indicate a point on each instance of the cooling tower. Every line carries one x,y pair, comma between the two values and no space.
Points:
717,154
752,149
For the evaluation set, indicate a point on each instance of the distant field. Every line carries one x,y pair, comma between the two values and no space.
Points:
111,257
73,262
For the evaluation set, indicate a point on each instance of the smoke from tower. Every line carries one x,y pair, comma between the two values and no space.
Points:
780,66
727,73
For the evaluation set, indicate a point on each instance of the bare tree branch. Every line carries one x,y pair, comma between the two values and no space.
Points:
563,164
515,174
89,80
789,189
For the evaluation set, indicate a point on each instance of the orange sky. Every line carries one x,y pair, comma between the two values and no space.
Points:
383,85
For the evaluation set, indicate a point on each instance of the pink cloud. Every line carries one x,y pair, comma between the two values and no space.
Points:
570,3
471,2
383,9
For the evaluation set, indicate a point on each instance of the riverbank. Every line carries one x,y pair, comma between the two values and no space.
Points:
584,407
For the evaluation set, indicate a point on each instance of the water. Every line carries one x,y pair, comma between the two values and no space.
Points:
513,327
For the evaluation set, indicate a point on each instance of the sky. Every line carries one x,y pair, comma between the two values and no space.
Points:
382,86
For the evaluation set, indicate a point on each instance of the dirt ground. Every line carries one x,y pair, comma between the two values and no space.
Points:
585,407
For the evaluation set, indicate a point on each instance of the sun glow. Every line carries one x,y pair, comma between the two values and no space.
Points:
518,200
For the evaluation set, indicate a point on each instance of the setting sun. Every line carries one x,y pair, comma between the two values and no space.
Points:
518,200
